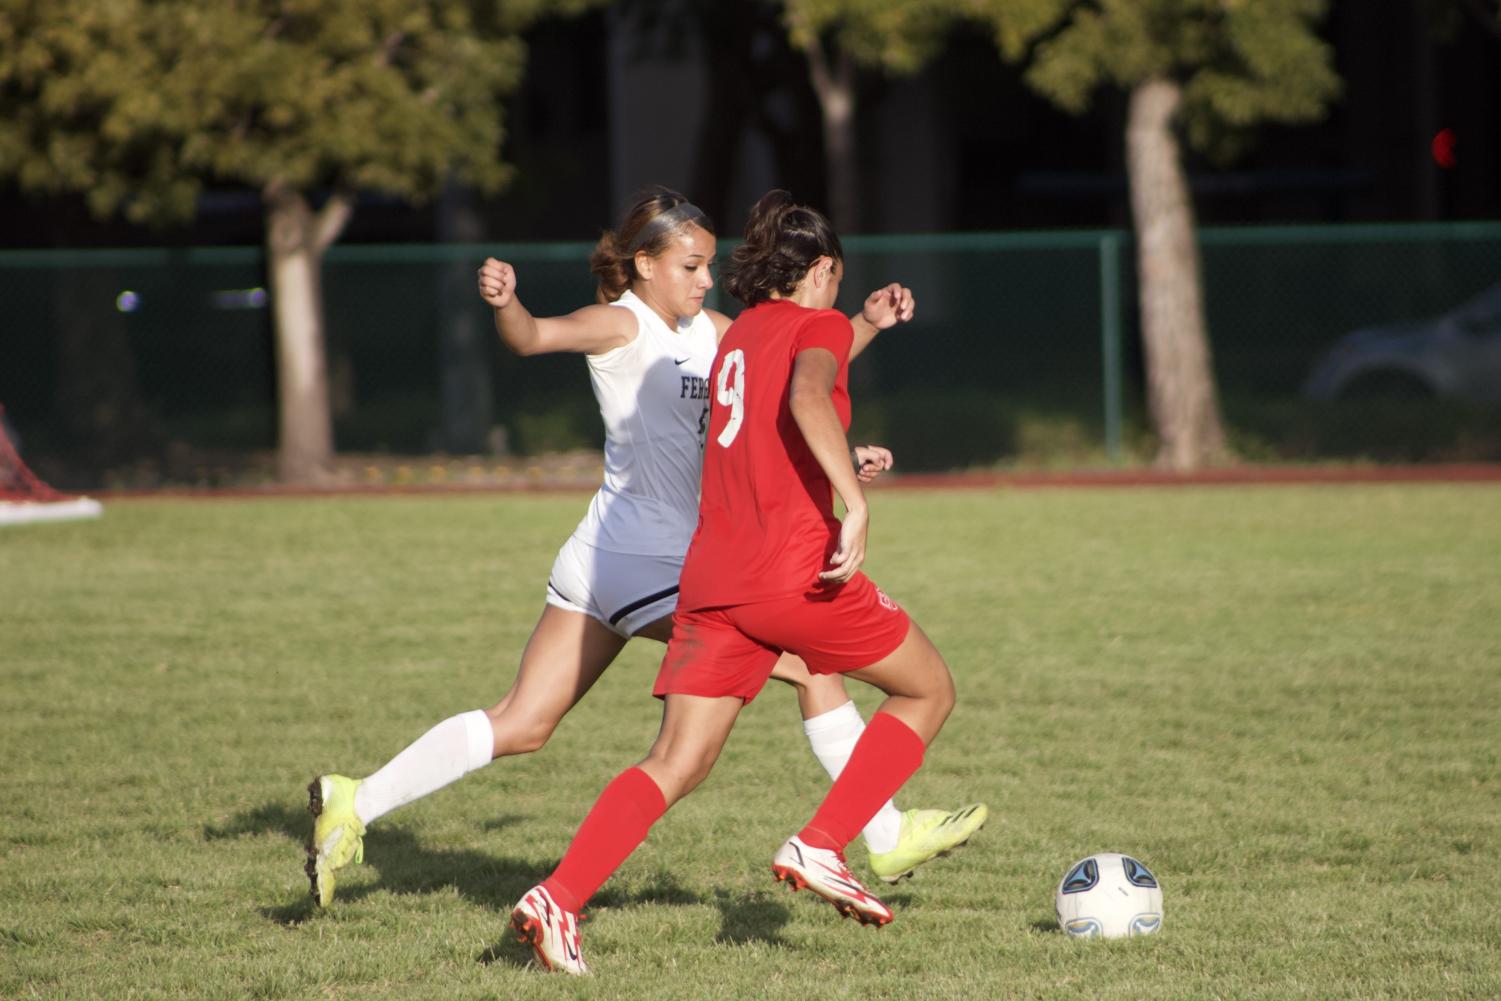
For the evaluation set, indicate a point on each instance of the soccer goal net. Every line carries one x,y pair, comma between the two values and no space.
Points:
25,498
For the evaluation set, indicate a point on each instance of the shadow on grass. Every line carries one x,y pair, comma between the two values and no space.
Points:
661,889
746,918
404,865
271,818
752,917
508,951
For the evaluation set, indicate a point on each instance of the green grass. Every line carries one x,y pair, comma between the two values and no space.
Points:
1284,700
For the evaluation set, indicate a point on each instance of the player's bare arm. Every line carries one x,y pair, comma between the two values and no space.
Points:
884,308
812,404
591,330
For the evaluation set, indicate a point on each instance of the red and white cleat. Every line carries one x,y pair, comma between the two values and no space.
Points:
552,932
823,871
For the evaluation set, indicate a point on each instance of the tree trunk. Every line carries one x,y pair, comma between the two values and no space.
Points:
835,86
1180,381
296,239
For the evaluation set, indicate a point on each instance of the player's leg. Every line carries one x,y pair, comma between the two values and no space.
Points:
710,671
919,688
896,841
567,653
919,676
817,694
832,725
886,755
919,696
570,647
857,627
694,729
565,656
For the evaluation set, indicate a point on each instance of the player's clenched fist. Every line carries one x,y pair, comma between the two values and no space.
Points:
497,283
886,307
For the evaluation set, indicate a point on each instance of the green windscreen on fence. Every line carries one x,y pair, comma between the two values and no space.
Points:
1005,362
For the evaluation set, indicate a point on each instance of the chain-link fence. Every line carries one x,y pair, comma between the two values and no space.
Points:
1025,349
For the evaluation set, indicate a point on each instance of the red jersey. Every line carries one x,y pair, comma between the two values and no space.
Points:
766,524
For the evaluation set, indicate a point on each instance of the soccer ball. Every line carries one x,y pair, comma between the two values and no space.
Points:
1109,896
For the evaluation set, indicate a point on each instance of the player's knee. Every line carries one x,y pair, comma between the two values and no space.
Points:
691,771
533,739
516,733
678,772
943,702
939,691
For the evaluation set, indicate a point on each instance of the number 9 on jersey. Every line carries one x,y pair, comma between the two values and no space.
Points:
731,393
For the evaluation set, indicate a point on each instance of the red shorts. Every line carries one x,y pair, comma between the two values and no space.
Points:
730,651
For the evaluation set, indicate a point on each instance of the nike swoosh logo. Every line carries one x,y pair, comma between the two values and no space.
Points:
841,879
679,361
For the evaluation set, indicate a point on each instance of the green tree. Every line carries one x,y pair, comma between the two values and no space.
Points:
138,104
1208,70
840,36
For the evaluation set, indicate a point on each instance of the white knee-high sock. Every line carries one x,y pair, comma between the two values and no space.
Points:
446,753
833,735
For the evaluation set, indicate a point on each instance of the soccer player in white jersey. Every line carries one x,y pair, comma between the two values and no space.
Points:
649,344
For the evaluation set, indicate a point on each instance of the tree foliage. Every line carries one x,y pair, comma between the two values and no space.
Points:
139,103
899,36
1239,62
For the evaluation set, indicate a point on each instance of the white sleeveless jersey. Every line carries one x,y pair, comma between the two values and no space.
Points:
653,395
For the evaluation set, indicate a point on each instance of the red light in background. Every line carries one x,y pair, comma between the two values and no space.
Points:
1444,142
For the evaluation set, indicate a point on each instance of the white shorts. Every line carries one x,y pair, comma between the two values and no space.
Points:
623,591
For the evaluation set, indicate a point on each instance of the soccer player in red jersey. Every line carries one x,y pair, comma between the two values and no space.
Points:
770,570
649,344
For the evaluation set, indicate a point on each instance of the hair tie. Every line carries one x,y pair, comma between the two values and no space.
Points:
679,215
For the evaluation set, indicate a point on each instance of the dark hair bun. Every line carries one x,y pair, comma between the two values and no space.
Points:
782,241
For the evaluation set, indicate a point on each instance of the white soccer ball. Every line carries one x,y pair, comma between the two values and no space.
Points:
1109,896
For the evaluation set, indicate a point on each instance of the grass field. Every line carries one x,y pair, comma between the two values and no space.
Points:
1283,699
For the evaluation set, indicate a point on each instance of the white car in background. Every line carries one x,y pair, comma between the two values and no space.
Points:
1454,356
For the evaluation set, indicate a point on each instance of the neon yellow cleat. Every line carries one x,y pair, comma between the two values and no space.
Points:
338,835
926,835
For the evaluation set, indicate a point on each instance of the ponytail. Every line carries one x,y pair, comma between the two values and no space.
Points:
782,240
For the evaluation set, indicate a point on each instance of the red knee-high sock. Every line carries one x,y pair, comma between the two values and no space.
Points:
618,823
886,755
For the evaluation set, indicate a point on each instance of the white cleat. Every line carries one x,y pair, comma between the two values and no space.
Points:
552,932
823,871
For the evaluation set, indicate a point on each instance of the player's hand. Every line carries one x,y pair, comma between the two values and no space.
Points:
870,461
497,283
851,552
886,307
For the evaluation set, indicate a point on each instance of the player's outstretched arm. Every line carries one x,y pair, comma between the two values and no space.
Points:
591,330
884,308
812,403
